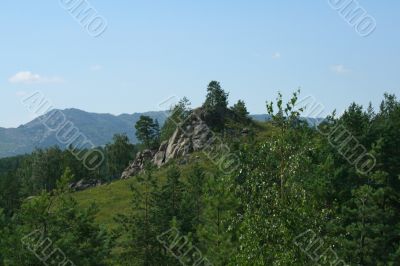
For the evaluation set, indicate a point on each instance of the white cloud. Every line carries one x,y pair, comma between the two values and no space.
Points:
340,69
27,77
276,55
96,67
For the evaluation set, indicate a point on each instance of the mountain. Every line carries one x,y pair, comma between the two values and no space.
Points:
98,128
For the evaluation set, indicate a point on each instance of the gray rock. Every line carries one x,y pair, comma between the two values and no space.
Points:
138,164
193,135
159,158
84,184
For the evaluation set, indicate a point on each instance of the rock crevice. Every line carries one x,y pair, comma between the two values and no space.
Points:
190,136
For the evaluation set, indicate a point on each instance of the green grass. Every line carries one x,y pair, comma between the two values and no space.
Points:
111,199
115,198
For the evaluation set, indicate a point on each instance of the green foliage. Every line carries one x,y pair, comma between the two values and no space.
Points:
213,234
216,99
138,229
148,131
177,114
58,220
169,200
290,179
364,227
193,197
119,153
240,111
46,168
275,207
3,235
216,106
10,196
66,178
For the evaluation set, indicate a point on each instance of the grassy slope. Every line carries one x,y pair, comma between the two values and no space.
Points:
115,198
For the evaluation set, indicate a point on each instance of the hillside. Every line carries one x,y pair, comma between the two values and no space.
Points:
116,197
230,187
99,128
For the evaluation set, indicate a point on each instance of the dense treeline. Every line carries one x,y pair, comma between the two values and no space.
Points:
299,195
28,175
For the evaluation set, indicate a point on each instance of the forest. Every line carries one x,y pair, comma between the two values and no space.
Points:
293,192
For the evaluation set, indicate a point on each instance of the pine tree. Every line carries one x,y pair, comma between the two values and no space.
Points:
192,206
52,229
215,239
119,154
240,111
139,229
169,201
364,227
216,106
148,131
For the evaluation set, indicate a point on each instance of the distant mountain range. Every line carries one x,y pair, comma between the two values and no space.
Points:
98,128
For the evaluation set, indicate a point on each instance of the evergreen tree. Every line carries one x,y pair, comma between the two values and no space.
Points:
77,168
364,228
169,209
119,154
148,131
215,239
138,229
170,198
217,98
240,111
3,235
46,168
51,228
216,106
192,206
10,192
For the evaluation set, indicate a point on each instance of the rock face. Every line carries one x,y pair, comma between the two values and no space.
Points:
192,135
138,164
84,184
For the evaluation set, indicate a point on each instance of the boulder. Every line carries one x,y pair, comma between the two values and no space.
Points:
138,164
192,135
84,184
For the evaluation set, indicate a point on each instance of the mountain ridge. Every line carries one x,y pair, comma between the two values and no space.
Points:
99,128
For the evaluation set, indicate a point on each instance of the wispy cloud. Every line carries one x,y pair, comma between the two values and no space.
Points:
96,67
27,77
276,55
340,69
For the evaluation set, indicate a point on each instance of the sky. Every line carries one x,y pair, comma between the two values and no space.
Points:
154,49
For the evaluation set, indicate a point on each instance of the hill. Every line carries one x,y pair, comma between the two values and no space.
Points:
98,128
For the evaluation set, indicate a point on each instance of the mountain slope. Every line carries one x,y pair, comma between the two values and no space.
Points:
98,128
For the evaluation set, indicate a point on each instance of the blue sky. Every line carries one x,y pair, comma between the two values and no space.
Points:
154,49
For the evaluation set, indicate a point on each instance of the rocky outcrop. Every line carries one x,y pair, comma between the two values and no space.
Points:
84,184
138,164
192,135
159,157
